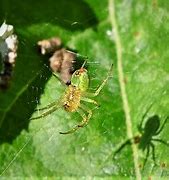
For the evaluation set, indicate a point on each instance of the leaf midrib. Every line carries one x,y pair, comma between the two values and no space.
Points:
126,107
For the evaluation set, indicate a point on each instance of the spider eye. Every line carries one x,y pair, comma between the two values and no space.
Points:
66,105
77,73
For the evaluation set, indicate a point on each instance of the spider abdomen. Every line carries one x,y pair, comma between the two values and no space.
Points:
72,98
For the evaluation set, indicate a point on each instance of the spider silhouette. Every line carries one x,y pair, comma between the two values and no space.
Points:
148,133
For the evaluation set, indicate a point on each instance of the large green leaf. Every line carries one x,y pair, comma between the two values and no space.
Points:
35,148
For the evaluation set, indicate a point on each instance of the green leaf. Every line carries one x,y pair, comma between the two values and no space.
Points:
35,148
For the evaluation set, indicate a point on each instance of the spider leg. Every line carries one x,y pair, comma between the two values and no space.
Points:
161,141
158,132
78,55
140,125
147,154
153,153
127,142
46,113
47,107
89,100
96,93
140,128
58,78
84,121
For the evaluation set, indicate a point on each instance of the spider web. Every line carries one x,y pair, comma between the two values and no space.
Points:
49,143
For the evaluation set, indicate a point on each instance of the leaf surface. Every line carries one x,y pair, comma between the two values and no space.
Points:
35,148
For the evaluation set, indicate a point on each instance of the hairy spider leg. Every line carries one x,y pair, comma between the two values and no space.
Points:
85,121
53,103
54,108
158,132
79,56
58,78
47,107
84,117
89,100
97,91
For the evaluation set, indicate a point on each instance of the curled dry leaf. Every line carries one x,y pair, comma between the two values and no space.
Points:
50,45
61,60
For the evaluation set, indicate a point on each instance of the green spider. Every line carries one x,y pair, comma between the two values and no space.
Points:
76,93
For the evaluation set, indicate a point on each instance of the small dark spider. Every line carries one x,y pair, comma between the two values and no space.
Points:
148,134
